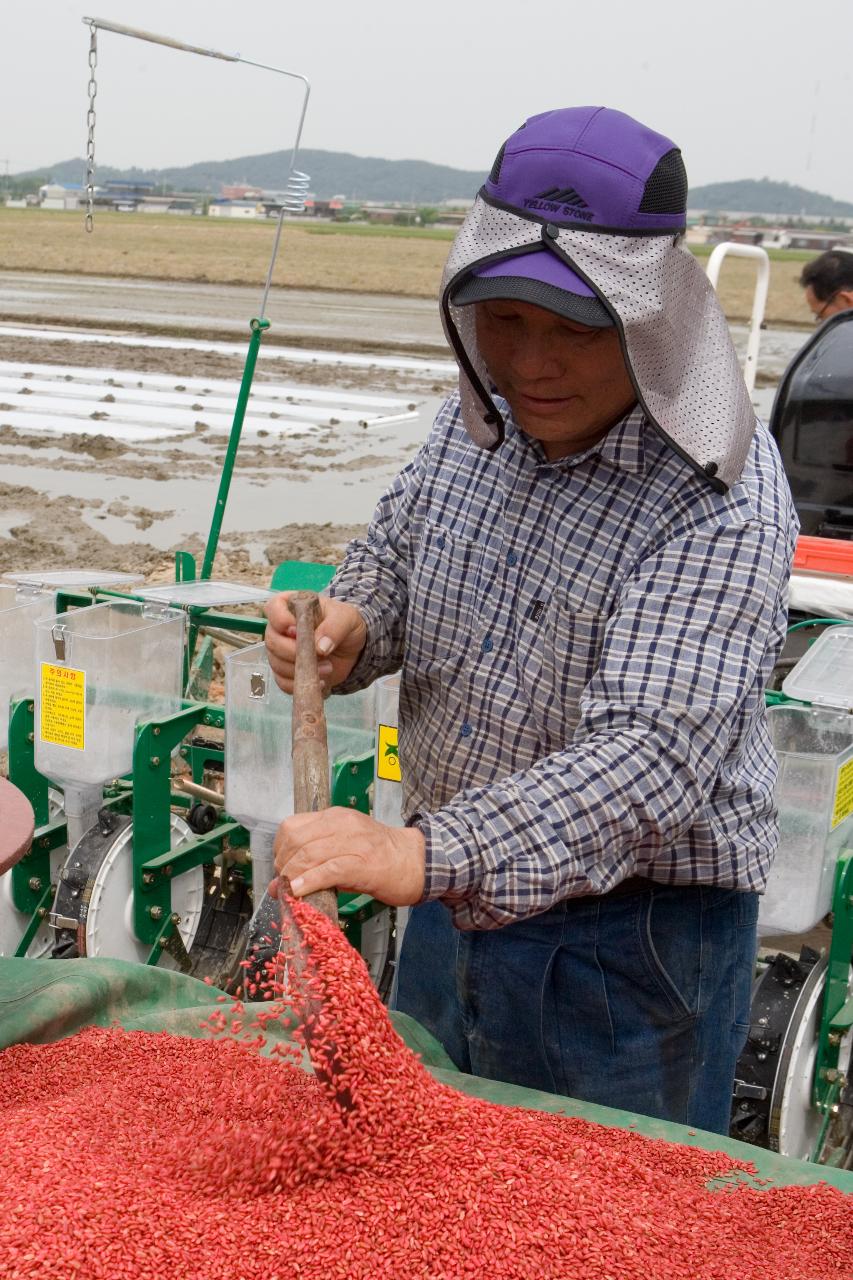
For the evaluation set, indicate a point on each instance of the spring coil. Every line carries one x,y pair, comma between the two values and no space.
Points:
295,192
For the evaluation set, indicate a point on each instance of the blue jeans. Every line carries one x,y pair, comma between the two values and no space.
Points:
638,1001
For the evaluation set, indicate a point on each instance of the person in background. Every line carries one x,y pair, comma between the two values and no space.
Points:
582,576
828,282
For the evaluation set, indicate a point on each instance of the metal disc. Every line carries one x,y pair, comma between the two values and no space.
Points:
795,1123
108,927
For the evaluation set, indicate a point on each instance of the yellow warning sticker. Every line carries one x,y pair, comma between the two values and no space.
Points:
843,806
387,755
63,706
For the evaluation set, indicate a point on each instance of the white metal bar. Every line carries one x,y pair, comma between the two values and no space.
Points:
137,34
759,296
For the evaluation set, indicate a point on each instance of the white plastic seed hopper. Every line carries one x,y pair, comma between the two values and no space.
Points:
99,672
258,773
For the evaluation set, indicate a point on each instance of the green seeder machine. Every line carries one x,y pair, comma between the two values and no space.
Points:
136,855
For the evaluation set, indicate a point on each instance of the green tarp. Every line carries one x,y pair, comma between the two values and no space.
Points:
45,1000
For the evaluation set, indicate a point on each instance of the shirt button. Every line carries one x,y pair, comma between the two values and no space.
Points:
440,542
488,644
465,731
511,558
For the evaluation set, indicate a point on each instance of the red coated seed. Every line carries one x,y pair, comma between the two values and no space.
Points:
129,1155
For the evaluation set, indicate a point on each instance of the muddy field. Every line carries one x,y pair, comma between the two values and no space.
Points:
94,499
404,262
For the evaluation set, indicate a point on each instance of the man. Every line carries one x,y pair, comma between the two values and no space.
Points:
811,418
828,283
582,574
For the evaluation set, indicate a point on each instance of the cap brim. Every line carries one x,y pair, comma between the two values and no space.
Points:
538,278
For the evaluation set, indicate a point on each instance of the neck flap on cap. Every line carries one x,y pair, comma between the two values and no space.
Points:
623,241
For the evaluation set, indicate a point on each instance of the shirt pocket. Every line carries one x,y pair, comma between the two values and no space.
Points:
442,600
571,649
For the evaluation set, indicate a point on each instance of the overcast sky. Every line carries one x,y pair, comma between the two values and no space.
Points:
747,89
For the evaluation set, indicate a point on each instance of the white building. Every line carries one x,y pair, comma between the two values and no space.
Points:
236,209
58,195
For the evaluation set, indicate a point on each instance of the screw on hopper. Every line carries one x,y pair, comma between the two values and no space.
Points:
311,793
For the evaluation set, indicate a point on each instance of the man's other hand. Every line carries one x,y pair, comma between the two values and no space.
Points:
343,849
340,637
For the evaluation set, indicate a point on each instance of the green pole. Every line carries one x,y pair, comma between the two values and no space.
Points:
257,327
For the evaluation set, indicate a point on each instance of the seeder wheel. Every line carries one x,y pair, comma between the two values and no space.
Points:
93,910
772,1104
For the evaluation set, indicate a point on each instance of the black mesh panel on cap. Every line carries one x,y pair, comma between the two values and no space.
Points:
495,175
666,188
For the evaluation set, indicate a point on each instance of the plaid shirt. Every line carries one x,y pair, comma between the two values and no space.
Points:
585,646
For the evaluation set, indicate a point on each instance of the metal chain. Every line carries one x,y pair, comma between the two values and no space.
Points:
90,125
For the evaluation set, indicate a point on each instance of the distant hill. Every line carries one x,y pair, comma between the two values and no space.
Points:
331,172
413,181
766,197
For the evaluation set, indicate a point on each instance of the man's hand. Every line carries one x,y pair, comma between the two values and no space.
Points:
343,849
340,637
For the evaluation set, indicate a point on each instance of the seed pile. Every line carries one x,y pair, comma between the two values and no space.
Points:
127,1154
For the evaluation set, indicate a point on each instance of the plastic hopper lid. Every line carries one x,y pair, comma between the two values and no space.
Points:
72,578
824,674
208,595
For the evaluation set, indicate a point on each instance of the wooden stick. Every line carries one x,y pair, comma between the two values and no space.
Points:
310,746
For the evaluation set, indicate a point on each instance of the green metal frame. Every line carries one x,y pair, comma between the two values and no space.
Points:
354,910
199,757
154,861
301,575
351,782
40,911
837,1015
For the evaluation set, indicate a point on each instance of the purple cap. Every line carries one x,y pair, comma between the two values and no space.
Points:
591,167
588,168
